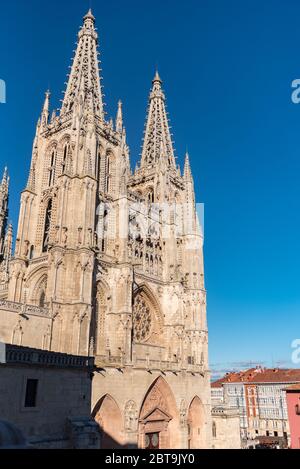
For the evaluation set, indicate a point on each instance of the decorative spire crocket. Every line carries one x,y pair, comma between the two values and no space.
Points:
84,80
157,143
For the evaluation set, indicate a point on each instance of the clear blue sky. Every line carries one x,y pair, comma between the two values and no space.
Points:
227,68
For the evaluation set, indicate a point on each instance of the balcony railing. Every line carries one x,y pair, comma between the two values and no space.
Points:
21,308
24,355
148,364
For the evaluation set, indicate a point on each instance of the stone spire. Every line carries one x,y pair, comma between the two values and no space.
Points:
84,80
190,213
45,111
3,207
39,127
7,248
187,173
5,177
188,179
157,143
119,119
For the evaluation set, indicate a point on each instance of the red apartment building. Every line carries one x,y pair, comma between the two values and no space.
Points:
293,405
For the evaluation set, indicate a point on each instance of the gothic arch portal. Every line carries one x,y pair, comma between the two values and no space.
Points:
159,417
195,422
108,415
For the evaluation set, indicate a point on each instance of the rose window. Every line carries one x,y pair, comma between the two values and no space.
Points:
141,320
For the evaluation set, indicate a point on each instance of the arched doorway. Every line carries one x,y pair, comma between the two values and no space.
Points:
196,416
108,415
158,421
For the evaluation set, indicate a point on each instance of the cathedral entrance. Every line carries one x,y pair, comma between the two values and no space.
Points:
107,414
152,441
158,421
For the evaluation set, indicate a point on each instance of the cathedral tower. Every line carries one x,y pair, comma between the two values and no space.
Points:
109,262
5,235
77,160
4,185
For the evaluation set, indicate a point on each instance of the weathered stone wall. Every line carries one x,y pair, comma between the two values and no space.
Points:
62,394
225,428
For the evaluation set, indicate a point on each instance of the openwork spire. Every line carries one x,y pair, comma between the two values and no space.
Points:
187,173
119,119
5,176
84,80
157,141
4,185
45,111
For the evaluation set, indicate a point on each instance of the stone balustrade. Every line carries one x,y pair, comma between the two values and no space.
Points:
24,355
148,364
21,308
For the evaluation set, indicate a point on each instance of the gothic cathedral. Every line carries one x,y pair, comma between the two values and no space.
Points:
108,263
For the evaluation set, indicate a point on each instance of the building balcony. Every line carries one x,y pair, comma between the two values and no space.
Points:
21,308
148,364
18,355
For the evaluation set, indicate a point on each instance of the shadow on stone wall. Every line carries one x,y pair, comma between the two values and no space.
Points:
108,442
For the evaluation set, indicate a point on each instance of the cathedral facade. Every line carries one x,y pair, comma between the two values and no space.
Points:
108,263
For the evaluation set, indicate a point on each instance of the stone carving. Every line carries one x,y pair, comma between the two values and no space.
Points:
154,399
130,416
183,412
65,235
142,321
26,248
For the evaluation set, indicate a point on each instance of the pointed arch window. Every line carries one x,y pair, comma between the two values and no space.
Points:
98,162
52,168
31,252
64,160
110,172
108,175
214,430
42,299
151,196
104,231
47,226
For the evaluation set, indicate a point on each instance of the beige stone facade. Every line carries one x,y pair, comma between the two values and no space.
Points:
226,428
108,262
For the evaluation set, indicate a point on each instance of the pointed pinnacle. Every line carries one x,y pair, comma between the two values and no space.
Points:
89,16
46,101
156,78
4,178
119,119
187,167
